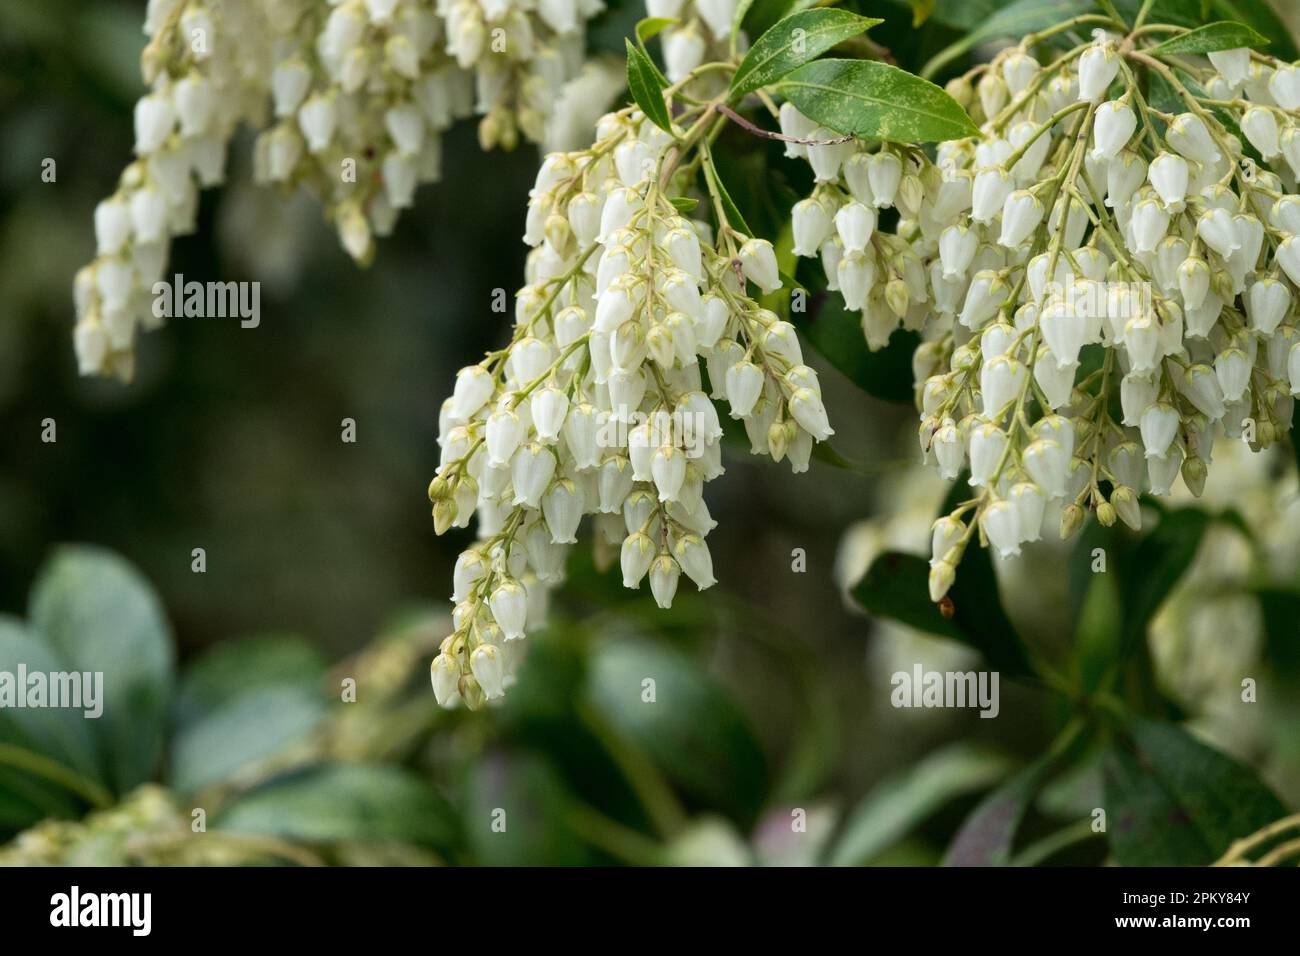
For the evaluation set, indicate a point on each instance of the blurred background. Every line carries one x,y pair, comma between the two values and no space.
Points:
229,440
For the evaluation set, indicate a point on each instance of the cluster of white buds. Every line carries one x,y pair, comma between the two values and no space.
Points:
699,36
598,404
1116,290
877,272
522,53
362,91
359,93
205,67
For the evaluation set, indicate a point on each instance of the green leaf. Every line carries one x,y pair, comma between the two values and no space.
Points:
729,209
647,86
249,729
796,40
523,792
1155,566
761,15
896,586
338,802
897,805
1261,17
233,668
1211,38
61,734
1173,801
691,729
651,26
922,10
989,833
876,101
684,204
100,615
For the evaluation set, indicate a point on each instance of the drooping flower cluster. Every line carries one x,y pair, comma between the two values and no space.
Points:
354,97
205,67
597,406
877,272
1114,288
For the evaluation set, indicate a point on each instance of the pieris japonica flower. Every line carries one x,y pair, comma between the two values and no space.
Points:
599,404
351,97
1149,264
875,272
205,67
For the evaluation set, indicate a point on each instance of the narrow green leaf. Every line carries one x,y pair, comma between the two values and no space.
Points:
647,86
1262,18
1210,39
651,26
876,101
989,833
684,204
762,15
734,218
895,806
922,10
1175,802
796,40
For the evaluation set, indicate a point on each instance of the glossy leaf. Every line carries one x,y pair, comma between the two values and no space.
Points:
1173,801
794,41
896,586
1211,38
646,85
876,101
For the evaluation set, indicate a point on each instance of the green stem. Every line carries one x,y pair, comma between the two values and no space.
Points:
614,838
651,789
41,766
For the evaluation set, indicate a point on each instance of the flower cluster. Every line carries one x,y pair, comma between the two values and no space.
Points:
1113,285
877,272
354,97
203,66
598,404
